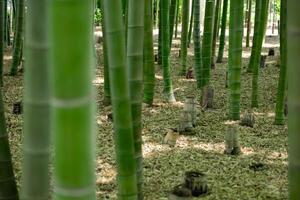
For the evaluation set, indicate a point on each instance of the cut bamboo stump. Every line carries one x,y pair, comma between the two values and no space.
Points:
190,107
248,119
263,59
171,138
232,146
180,192
207,97
271,52
17,108
196,182
190,74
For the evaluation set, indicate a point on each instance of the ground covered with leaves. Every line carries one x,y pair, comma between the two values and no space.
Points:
259,173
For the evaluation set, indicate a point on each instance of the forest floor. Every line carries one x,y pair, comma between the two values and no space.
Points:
229,177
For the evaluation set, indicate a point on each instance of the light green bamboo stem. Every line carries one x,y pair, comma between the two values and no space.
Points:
149,67
281,92
168,88
197,43
236,27
72,99
223,32
184,35
207,42
121,104
36,145
293,60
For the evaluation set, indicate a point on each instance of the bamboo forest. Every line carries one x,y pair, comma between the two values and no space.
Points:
149,99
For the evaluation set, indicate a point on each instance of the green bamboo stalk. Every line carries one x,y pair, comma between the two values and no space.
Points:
149,67
157,14
172,19
249,15
4,21
197,43
281,92
72,99
236,26
215,31
135,49
293,60
184,35
257,22
8,30
223,32
8,187
257,55
159,48
107,98
36,145
18,38
124,143
2,29
177,18
207,42
168,88
191,23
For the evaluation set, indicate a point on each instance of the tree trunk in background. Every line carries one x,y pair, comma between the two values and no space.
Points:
36,144
191,23
215,31
257,22
184,35
72,68
168,88
159,48
197,43
257,55
8,187
4,21
223,32
177,17
207,42
172,19
157,9
236,26
149,67
293,61
2,29
18,38
107,97
281,92
249,15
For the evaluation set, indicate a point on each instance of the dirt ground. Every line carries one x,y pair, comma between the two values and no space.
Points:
229,177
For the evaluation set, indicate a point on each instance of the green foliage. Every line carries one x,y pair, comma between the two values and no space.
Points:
98,16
